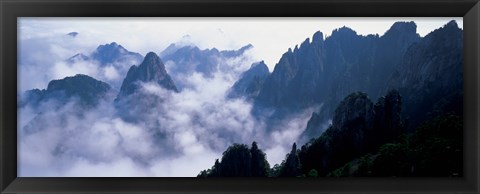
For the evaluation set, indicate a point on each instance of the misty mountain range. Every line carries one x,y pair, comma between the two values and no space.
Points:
415,79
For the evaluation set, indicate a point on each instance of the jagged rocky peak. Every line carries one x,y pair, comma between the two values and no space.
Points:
87,89
325,70
294,82
449,29
317,37
256,69
304,44
356,110
112,48
250,82
83,86
183,61
452,23
430,76
402,33
151,69
343,32
403,27
113,52
152,60
169,50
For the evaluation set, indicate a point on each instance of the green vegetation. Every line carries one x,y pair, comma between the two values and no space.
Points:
435,149
364,140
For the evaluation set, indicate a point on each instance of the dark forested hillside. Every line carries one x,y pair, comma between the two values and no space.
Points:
239,161
366,139
433,150
358,127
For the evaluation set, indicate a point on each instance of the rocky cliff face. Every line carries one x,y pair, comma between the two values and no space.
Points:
113,62
183,61
296,80
133,102
426,71
109,54
430,75
250,82
151,70
326,70
355,111
84,89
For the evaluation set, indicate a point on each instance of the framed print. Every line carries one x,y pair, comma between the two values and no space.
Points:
228,97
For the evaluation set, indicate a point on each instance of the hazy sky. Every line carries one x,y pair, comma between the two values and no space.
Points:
271,37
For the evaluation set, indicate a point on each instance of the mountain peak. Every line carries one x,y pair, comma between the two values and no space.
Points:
402,27
113,52
451,24
234,53
343,31
450,29
317,37
87,88
151,56
56,84
259,64
251,81
78,57
110,46
169,50
305,43
151,69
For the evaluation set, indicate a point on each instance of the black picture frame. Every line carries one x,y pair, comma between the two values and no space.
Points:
10,10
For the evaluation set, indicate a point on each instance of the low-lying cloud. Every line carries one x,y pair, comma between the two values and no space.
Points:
175,134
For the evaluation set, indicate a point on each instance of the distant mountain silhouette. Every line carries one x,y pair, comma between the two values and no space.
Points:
85,89
430,75
114,53
182,61
322,71
131,101
150,70
250,82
